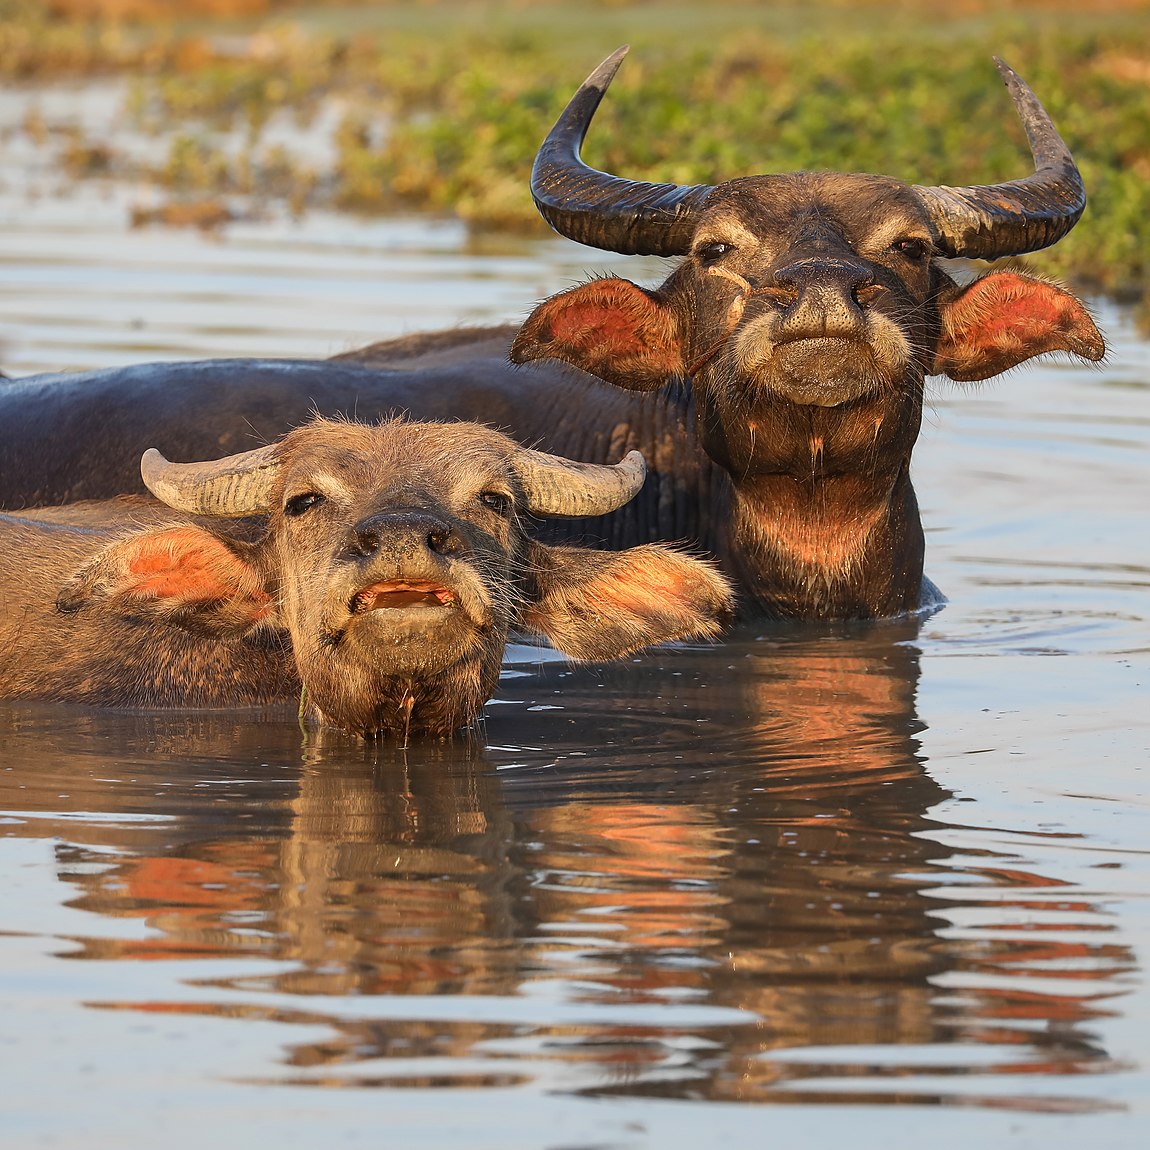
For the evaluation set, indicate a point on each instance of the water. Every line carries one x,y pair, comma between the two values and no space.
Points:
882,885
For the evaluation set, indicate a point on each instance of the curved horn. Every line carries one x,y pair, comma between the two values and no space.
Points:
1021,215
557,486
604,211
238,485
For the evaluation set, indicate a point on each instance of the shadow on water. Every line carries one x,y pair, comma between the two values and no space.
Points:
708,874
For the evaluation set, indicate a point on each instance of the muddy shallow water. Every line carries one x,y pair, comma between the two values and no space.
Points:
884,885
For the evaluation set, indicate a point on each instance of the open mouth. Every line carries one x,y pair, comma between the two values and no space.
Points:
401,593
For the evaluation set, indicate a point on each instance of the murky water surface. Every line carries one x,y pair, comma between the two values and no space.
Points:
887,886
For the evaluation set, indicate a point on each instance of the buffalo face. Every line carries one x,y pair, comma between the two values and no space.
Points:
809,288
400,574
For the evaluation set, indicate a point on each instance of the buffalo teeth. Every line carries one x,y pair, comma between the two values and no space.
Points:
399,594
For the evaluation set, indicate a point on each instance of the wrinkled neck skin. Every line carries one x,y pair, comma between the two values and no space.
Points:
821,499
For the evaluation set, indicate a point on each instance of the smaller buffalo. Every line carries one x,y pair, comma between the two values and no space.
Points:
379,569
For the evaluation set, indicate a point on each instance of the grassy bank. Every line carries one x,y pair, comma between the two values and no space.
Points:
443,104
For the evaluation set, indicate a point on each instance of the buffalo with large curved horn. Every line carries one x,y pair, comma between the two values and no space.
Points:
774,382
800,326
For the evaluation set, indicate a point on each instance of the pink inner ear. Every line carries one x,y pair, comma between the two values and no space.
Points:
603,317
1007,306
186,565
610,328
1005,318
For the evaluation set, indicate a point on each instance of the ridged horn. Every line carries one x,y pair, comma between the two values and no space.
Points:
557,486
238,485
1021,215
604,211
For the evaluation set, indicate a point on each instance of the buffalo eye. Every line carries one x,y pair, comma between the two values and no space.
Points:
497,501
712,251
912,248
302,503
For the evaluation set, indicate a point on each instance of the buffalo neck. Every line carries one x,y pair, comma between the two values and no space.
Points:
823,519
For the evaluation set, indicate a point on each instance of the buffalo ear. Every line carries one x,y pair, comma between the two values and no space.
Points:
182,575
1004,318
606,604
608,327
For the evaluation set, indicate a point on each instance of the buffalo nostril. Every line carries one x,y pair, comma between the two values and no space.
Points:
443,541
364,543
782,294
866,293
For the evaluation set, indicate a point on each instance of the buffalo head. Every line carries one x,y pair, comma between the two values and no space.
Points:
806,313
394,558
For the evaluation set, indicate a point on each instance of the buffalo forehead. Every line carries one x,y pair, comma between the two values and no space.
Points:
439,457
783,209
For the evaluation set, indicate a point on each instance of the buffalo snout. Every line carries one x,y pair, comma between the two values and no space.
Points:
403,533
822,297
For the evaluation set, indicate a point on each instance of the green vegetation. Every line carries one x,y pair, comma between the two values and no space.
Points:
444,104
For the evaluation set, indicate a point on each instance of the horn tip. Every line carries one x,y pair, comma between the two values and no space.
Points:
149,461
605,73
1005,70
635,461
1016,85
153,466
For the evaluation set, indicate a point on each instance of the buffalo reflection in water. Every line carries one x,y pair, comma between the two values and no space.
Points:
738,836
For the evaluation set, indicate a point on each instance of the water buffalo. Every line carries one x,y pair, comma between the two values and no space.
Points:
774,382
380,567
807,312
